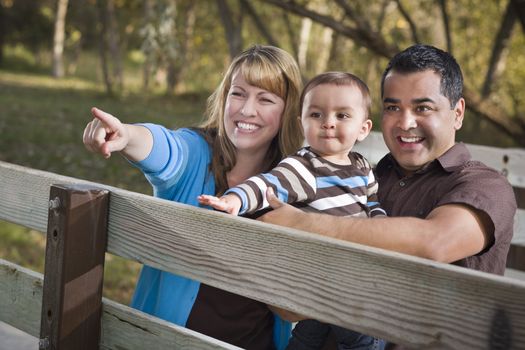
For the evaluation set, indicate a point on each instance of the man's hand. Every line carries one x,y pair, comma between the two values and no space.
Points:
105,134
282,214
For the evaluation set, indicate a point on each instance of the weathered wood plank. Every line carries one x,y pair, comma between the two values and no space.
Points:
519,228
412,301
127,328
20,297
516,257
122,327
25,192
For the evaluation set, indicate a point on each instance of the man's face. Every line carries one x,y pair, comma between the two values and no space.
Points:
418,123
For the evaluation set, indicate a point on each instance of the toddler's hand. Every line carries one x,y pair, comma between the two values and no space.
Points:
230,204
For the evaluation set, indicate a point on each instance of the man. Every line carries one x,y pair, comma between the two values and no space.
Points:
443,205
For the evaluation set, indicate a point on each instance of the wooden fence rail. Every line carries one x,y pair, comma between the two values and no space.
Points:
412,301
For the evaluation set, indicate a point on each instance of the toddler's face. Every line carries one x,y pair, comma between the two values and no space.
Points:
333,119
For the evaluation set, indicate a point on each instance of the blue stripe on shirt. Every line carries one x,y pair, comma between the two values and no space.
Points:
281,192
243,197
352,182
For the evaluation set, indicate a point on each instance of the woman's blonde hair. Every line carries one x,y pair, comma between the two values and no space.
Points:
269,68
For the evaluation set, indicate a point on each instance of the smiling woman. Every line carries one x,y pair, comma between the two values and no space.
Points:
251,124
252,118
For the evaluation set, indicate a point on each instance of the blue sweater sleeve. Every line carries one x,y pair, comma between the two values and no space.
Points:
178,165
178,169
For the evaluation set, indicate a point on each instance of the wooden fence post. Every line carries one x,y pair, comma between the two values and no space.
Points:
74,268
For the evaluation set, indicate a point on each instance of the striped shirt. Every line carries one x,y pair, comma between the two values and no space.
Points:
312,183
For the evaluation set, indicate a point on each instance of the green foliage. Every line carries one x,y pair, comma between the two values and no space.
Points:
29,23
160,44
22,246
19,58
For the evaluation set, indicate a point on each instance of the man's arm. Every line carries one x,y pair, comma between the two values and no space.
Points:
449,233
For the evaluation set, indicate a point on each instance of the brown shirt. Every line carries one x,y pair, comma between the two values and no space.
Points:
454,178
232,318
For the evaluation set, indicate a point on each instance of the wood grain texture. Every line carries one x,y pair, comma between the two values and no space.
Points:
412,301
122,327
20,297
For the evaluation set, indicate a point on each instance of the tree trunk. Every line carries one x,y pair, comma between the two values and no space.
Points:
58,39
102,12
500,43
324,55
146,68
185,47
519,7
411,23
291,33
114,45
173,61
334,49
446,24
304,39
259,23
231,29
3,29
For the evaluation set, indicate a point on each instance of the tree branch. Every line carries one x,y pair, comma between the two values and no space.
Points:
519,7
382,14
446,24
406,16
291,33
258,23
233,31
350,13
484,108
361,36
505,30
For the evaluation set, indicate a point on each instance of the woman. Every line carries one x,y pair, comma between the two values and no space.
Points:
251,124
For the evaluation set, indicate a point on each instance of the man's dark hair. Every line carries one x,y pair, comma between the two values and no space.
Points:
418,58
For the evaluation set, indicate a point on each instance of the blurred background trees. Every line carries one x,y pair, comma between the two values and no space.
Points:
184,45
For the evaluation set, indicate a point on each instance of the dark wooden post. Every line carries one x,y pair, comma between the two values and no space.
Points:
74,268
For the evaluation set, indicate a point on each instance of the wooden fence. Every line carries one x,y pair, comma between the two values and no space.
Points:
412,301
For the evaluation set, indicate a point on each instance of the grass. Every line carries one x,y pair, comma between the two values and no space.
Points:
41,124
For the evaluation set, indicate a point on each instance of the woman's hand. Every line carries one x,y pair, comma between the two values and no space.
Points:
105,134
